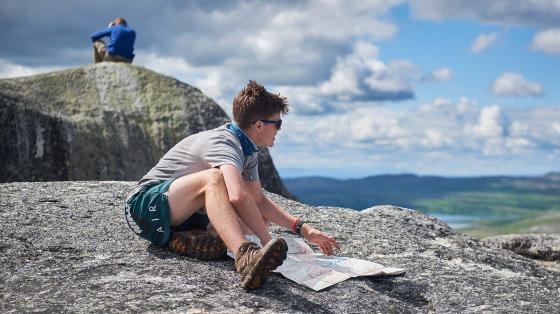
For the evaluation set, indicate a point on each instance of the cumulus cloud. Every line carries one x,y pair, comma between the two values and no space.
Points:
547,41
449,108
483,41
450,136
540,13
10,70
434,138
555,128
443,128
357,77
514,84
441,74
304,49
361,76
273,42
491,123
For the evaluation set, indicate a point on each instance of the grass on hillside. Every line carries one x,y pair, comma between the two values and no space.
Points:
547,222
509,204
500,212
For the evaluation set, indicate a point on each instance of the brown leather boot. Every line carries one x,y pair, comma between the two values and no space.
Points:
198,244
254,264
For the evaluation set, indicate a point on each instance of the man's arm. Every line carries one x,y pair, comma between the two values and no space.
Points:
279,216
100,34
243,203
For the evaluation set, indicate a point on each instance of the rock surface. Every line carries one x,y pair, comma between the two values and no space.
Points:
538,246
107,121
65,247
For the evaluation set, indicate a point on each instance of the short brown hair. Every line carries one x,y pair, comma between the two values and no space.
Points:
120,20
254,103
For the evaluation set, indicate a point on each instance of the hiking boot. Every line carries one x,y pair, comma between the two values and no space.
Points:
198,244
254,264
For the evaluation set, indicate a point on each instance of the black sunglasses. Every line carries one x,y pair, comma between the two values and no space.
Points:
277,123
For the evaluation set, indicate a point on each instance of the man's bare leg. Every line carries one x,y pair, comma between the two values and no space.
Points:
187,194
206,188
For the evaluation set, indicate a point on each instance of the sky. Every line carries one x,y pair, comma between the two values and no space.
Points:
431,87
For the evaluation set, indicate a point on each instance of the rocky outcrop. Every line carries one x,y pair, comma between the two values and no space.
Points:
65,247
108,121
538,246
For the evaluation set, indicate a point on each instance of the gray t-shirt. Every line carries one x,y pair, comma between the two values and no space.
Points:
201,151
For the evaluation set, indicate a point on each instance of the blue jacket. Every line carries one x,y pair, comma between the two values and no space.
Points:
122,40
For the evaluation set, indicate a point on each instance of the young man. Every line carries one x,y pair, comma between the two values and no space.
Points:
121,44
204,194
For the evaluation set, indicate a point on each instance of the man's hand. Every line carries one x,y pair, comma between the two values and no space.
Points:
321,239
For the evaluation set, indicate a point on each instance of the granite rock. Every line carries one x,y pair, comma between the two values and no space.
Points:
106,121
65,247
538,246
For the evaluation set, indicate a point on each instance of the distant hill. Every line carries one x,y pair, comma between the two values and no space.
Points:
481,196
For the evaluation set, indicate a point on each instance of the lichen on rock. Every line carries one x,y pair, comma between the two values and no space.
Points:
106,121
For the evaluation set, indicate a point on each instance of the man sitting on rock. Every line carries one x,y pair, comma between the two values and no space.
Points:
121,44
204,194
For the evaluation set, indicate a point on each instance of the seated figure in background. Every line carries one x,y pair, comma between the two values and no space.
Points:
121,43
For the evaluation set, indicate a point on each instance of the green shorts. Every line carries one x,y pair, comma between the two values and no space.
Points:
147,214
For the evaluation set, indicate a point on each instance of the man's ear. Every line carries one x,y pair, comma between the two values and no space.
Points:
259,125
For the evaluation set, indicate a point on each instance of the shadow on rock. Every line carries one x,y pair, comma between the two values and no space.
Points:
291,301
402,290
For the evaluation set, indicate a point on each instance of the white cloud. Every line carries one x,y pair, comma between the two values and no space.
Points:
274,42
212,81
10,70
547,41
483,41
425,147
389,139
519,129
360,75
440,74
368,126
434,138
443,74
438,104
540,13
446,107
514,84
555,127
466,105
357,77
501,146
491,123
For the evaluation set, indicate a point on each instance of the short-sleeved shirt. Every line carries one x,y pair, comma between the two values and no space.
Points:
201,151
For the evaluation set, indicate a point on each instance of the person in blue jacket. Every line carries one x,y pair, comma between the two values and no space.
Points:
121,44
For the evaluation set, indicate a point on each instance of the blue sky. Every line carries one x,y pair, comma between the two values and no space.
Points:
454,88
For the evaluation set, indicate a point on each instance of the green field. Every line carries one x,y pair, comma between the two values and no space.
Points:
547,222
498,205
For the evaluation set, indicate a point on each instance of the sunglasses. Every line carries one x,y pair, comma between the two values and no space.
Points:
277,123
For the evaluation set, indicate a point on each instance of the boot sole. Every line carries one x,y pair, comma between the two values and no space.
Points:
273,255
203,246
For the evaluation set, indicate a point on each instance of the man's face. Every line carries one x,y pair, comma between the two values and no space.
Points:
269,130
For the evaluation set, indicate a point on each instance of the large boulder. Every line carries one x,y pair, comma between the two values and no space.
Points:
107,121
538,246
65,247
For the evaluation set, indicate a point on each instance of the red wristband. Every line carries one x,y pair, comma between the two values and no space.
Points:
294,225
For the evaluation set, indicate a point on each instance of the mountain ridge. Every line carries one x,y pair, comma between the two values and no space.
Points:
409,189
